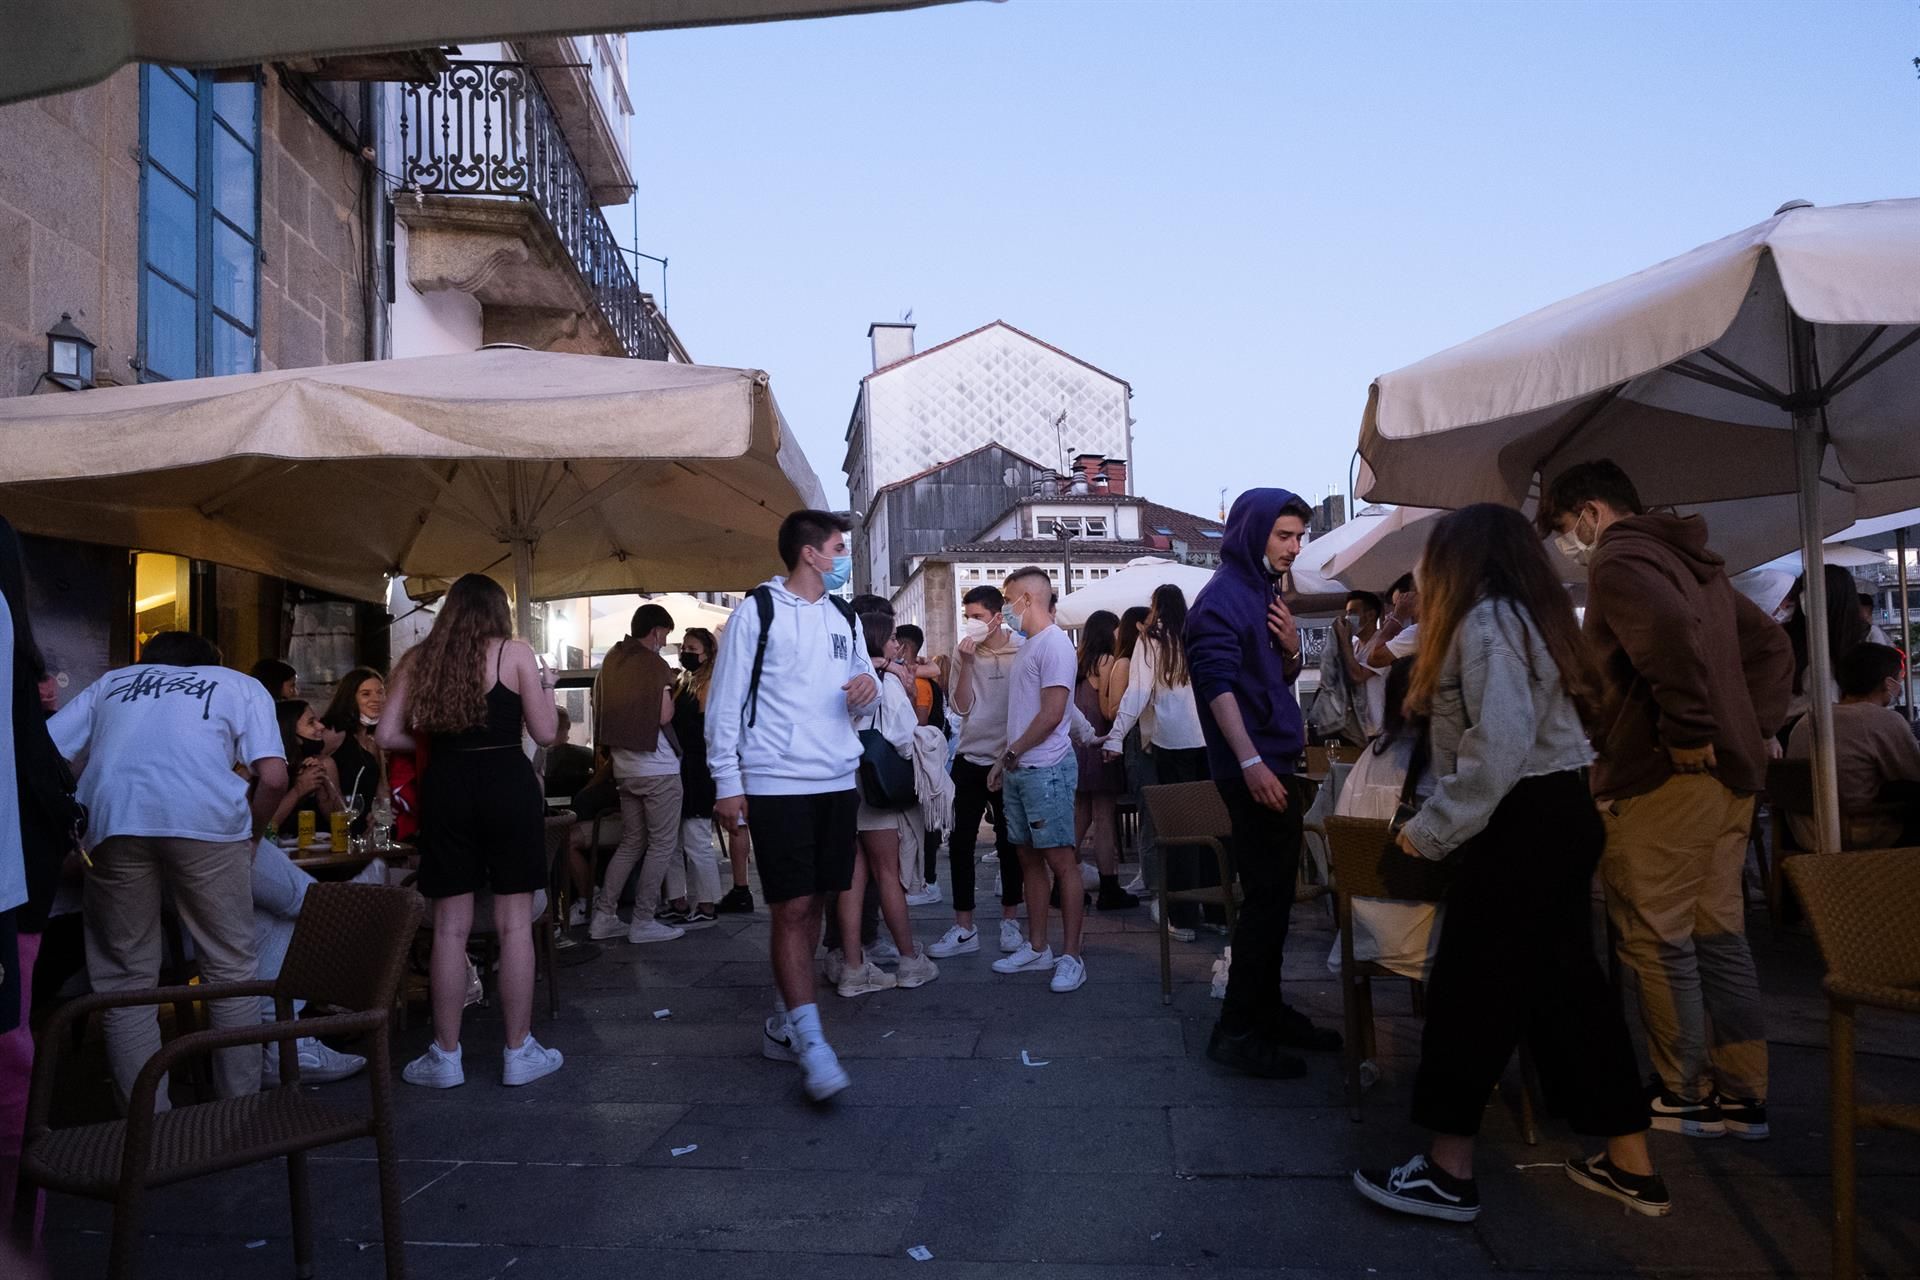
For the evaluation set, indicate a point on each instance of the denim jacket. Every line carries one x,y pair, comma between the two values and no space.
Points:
1499,715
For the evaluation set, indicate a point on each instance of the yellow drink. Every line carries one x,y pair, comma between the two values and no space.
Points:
340,821
306,827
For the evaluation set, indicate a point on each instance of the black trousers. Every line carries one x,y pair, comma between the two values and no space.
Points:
1266,858
1516,959
971,802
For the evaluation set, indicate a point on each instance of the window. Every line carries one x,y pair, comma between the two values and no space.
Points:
1096,526
199,224
1043,526
1165,533
1210,533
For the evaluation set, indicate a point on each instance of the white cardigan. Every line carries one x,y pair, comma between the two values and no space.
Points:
1176,719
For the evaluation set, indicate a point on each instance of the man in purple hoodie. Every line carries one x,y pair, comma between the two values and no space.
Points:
1243,648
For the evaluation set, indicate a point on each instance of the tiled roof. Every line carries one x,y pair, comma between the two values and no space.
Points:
937,467
889,368
1049,548
1184,526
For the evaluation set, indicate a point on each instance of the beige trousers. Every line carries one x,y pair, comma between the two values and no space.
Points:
1672,871
213,891
649,839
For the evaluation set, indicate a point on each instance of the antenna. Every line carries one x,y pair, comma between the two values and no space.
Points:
1060,440
1223,504
906,317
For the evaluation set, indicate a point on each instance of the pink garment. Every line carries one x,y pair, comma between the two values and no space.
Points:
16,1073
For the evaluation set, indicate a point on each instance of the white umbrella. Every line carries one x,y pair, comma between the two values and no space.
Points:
1779,361
51,45
622,475
1130,587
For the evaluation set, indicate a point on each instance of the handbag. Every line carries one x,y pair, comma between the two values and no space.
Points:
886,777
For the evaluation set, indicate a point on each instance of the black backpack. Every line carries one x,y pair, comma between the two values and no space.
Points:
763,604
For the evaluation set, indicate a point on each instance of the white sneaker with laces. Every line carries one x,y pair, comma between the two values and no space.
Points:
1137,886
836,966
955,942
436,1069
776,1041
654,931
318,1063
883,952
1179,933
605,923
528,1063
1025,960
1069,974
577,915
821,1072
915,970
926,897
865,980
1012,936
1089,877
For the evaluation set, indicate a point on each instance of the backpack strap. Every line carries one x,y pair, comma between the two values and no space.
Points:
763,604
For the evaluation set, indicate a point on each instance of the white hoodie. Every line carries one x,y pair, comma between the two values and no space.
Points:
802,742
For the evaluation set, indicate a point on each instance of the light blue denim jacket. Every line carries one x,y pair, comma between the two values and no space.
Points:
1499,715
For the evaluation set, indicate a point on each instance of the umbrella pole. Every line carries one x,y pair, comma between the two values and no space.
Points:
1809,450
1900,548
523,589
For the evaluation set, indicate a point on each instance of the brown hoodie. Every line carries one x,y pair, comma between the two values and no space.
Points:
626,698
1685,660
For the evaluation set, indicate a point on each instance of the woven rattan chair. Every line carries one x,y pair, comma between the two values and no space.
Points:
1365,867
1189,814
1865,909
349,946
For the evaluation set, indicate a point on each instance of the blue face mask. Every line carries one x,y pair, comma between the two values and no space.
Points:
838,576
1011,621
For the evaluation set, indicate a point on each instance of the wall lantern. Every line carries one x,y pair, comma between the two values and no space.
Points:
69,355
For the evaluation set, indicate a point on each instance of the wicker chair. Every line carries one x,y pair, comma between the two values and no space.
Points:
1865,909
349,947
1789,792
1364,867
1189,814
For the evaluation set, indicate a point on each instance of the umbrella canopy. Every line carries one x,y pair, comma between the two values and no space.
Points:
1777,363
52,46
595,473
1132,586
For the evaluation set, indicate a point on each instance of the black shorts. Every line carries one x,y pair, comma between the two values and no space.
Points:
803,844
482,824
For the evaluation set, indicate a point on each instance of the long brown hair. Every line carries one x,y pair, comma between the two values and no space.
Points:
1167,628
1098,639
445,690
1490,552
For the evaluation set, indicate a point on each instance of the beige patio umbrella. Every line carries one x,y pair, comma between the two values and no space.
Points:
566,474
47,46
1777,365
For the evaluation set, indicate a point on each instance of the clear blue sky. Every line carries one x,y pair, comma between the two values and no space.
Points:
1247,210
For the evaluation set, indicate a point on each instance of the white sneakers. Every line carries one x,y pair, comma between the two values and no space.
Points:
654,931
528,1063
821,1072
865,980
1069,974
1012,936
318,1063
916,970
883,951
1138,887
836,966
438,1069
605,923
776,1041
926,897
1179,933
1025,960
955,942
577,914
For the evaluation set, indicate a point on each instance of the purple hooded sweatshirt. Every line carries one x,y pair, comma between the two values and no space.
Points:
1228,648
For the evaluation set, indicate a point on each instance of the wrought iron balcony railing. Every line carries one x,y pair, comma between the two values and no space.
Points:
487,129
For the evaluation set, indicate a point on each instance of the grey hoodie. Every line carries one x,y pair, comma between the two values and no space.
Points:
1500,714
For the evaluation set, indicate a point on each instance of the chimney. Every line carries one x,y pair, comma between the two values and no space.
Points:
1116,475
892,341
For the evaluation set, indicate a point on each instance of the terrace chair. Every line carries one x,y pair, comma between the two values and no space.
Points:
558,828
1189,815
348,950
1865,909
1789,793
1365,867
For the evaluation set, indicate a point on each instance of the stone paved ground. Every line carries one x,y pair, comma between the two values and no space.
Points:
1126,1155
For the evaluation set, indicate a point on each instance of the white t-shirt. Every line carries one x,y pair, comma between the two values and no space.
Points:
1373,693
1405,643
1046,661
161,744
661,762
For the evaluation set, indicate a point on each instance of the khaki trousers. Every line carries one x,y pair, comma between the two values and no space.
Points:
649,839
1672,872
213,891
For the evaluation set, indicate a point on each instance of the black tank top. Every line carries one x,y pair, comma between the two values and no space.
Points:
502,728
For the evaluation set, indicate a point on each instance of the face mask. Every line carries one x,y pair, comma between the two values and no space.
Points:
690,661
1011,621
974,629
838,576
308,748
1268,566
370,721
1573,546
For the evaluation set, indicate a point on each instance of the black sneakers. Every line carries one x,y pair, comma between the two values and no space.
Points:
737,899
1293,1030
1254,1055
1421,1189
1744,1117
1642,1193
1114,898
1673,1114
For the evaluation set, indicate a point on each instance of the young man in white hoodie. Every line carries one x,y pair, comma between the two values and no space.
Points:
785,755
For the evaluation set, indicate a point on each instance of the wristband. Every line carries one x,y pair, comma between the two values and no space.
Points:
1249,762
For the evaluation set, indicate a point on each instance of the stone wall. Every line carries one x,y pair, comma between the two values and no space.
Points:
70,232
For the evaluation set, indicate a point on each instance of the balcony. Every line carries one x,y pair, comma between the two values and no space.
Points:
496,205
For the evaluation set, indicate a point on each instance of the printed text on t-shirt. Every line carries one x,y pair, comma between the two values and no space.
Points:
156,684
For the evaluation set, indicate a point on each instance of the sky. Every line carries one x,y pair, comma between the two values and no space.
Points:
1246,210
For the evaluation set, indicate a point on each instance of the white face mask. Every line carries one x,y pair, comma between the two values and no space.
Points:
370,721
1573,546
974,629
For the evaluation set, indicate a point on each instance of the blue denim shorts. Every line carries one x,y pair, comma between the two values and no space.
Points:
1039,804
